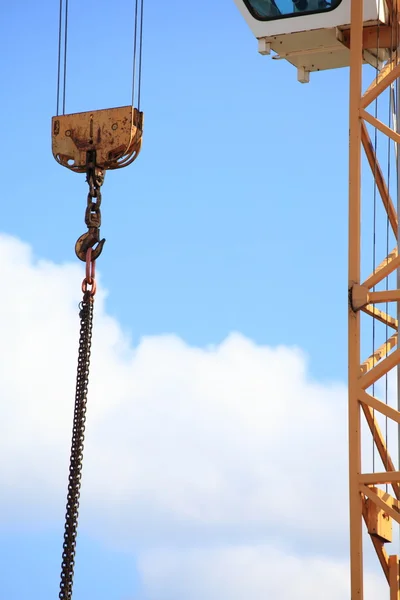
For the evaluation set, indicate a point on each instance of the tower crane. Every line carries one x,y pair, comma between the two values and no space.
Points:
312,35
315,35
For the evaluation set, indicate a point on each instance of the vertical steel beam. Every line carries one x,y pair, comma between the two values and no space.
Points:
356,50
394,577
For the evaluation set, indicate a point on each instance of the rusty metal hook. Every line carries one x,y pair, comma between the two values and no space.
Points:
86,241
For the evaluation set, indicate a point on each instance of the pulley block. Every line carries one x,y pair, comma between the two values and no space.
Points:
115,134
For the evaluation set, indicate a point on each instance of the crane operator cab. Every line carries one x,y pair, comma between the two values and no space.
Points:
314,35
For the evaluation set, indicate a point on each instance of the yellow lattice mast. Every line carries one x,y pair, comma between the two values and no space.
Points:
377,506
318,35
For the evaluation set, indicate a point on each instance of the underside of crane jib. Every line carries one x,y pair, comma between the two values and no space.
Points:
313,35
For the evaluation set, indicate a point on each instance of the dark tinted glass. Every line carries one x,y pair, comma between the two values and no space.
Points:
271,9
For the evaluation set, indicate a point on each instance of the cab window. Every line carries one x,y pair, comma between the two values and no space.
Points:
271,9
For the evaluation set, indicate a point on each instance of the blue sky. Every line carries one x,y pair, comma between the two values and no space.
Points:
239,198
233,219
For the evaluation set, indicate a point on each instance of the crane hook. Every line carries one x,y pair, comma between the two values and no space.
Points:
86,241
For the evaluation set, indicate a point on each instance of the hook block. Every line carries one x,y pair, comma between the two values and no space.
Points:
115,134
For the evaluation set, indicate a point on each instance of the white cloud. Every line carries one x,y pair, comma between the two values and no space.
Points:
242,572
220,438
231,448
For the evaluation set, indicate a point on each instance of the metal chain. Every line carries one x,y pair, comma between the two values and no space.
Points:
78,437
95,178
85,250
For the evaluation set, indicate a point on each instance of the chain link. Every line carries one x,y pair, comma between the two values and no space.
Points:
95,179
77,446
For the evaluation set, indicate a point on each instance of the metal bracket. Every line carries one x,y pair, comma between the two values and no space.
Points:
303,75
358,297
115,134
264,46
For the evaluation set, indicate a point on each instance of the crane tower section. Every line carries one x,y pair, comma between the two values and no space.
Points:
316,35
